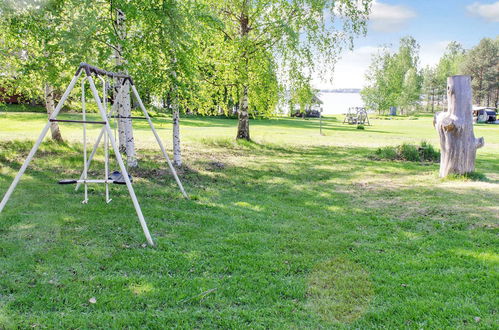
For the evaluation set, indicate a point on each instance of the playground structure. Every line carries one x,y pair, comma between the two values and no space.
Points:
357,116
117,177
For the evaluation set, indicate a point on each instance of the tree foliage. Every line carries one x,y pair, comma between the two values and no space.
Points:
394,79
482,63
295,35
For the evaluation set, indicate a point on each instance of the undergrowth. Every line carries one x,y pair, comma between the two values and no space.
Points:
424,152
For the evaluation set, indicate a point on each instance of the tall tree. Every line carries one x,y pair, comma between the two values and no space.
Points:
164,48
482,63
122,102
430,87
394,79
376,94
448,65
36,49
300,33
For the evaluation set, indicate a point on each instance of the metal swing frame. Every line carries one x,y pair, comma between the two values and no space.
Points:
106,132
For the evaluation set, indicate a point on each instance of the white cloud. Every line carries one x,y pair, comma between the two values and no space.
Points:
350,69
431,53
489,12
389,18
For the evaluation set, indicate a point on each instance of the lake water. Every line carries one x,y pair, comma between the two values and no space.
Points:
338,103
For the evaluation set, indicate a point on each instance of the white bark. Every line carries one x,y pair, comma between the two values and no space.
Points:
127,143
50,105
458,144
177,156
122,100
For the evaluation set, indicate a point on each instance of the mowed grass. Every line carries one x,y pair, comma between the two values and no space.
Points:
294,230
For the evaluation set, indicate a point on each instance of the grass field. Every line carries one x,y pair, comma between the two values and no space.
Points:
295,230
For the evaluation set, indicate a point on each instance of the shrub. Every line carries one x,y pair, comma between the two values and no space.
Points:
408,152
428,152
360,127
389,153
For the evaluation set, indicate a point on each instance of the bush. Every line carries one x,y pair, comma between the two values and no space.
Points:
428,152
360,127
388,153
408,152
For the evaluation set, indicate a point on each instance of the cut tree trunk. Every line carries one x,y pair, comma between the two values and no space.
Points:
49,105
243,126
458,144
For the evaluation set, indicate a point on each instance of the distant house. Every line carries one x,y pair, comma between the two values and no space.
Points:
313,110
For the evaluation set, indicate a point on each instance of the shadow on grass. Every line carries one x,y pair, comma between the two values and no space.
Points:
248,247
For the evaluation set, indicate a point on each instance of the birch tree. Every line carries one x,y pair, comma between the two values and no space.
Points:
393,78
122,102
33,47
164,47
301,34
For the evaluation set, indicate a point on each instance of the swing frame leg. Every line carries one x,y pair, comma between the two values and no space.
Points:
120,162
158,139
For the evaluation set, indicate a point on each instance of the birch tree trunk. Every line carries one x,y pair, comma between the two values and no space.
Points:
50,106
458,144
177,155
125,130
243,126
122,100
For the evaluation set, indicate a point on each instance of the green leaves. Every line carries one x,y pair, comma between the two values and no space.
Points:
394,79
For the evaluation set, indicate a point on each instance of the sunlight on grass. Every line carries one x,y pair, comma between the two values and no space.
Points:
248,206
24,226
339,290
294,230
411,236
140,289
484,256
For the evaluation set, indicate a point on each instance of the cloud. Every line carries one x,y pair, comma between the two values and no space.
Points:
389,18
431,53
489,12
350,70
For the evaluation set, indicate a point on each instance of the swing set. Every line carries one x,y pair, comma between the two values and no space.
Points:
106,134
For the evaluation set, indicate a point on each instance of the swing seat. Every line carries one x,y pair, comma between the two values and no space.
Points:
67,181
118,178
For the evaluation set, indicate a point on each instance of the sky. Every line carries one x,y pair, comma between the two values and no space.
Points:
433,23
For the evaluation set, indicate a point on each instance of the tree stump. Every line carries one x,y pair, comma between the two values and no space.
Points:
458,144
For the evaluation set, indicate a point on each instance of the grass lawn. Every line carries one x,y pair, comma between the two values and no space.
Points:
295,230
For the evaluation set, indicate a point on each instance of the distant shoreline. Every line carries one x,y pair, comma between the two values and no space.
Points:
341,90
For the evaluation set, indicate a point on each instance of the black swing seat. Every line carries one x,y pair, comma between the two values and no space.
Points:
67,181
116,177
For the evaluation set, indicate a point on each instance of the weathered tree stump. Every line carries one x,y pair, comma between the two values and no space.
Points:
458,144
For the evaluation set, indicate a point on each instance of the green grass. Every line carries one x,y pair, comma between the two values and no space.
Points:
296,230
